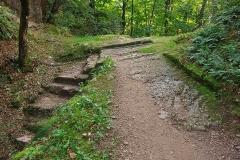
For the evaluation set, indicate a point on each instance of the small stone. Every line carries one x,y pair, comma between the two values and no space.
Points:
163,114
73,155
125,143
25,139
237,147
199,128
238,135
87,134
172,152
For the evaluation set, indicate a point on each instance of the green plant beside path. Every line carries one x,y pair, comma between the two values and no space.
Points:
76,128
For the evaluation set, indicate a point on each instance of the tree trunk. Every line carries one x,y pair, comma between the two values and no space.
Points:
166,16
214,9
201,15
92,4
145,14
124,6
44,9
56,5
152,14
23,47
131,32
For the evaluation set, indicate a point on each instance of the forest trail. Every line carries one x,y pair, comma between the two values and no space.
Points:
158,115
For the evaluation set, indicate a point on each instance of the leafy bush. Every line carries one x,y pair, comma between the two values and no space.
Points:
80,19
217,49
8,28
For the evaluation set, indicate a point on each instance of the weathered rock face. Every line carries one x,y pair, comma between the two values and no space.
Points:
35,8
35,11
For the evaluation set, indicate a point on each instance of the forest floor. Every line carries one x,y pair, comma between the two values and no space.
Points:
160,115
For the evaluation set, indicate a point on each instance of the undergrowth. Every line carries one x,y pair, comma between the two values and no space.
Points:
77,126
216,48
216,51
8,27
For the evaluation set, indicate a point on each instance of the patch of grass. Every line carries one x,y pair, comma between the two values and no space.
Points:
212,102
77,52
74,132
75,48
101,41
151,49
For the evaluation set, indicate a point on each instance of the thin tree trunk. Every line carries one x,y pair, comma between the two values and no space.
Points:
201,15
56,5
131,32
93,6
124,6
145,13
23,47
152,13
44,9
214,9
166,16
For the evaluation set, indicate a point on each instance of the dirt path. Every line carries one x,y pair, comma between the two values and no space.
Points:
158,116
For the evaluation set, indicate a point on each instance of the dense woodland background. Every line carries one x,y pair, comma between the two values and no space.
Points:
203,37
133,17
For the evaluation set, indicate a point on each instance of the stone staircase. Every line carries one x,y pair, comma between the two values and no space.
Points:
63,87
57,93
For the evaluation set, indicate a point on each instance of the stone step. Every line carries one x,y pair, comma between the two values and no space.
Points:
73,79
92,61
24,140
137,41
45,105
67,90
72,74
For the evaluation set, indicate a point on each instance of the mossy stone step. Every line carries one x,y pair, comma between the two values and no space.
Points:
92,61
45,105
137,41
73,79
67,90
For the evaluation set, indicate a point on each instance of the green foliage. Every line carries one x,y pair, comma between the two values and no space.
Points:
8,27
77,127
216,48
77,52
108,64
105,17
80,19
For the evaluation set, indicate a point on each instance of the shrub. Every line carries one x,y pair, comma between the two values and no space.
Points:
8,28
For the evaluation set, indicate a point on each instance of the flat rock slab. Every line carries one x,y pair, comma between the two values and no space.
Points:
91,63
136,41
62,89
25,139
73,74
71,79
45,105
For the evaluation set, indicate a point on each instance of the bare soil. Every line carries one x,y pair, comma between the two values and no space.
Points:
161,117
